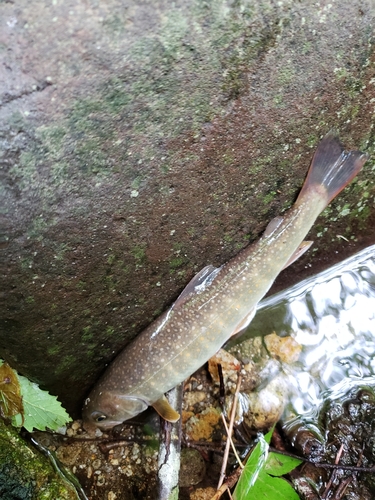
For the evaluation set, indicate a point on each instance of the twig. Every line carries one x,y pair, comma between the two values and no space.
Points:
230,482
334,473
106,447
230,430
222,386
231,442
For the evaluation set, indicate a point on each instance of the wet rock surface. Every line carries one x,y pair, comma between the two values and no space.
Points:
25,473
348,428
142,141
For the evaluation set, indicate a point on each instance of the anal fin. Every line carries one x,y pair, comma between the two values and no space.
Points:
244,322
165,410
302,248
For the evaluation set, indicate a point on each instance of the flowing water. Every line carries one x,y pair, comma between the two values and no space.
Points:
332,315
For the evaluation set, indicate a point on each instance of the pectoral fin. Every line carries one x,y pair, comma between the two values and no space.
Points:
165,410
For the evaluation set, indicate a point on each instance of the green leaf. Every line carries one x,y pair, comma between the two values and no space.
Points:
268,436
271,488
41,410
279,465
250,473
257,479
38,409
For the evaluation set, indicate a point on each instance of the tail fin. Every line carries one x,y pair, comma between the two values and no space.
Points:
332,166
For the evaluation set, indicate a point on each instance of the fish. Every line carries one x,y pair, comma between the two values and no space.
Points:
217,303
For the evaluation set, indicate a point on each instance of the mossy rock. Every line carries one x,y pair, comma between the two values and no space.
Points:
27,474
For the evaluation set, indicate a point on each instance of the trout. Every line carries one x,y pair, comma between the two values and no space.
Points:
216,304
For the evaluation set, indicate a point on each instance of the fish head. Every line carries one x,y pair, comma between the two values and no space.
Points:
106,409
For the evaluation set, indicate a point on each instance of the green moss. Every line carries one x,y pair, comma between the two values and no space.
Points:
279,101
60,251
285,75
66,364
53,136
17,121
312,140
176,262
26,263
81,285
269,197
87,334
136,182
165,168
52,351
139,253
109,330
111,258
116,96
306,48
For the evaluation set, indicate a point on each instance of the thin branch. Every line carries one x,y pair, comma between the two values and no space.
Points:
230,430
231,442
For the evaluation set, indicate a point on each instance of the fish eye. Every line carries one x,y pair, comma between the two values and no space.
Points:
100,418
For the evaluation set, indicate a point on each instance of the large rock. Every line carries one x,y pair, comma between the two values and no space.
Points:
143,140
27,474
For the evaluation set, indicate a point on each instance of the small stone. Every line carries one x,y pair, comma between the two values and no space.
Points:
203,493
260,410
192,469
96,463
285,349
101,480
89,471
229,364
202,425
194,397
75,425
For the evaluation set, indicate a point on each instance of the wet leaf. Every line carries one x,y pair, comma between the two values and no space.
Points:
278,465
250,473
257,479
10,392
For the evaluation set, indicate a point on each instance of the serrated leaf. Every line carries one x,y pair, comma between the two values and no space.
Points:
279,465
41,409
10,392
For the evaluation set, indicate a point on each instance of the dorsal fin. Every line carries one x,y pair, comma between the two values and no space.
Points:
272,226
202,279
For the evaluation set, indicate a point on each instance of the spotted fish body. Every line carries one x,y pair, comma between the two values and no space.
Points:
216,304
